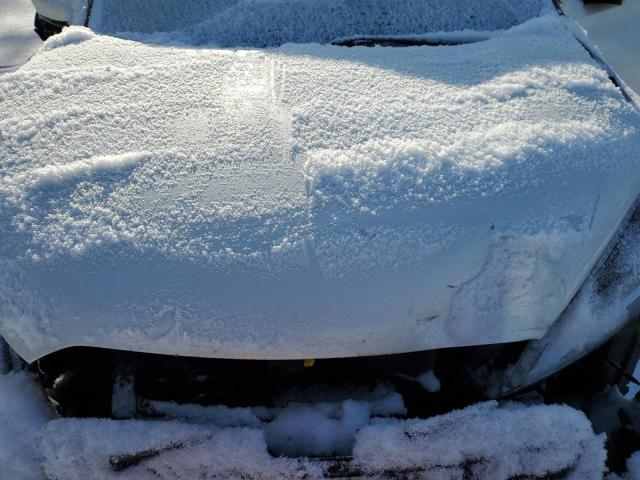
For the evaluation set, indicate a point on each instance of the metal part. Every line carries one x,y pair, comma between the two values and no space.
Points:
74,377
397,42
612,2
46,27
77,384
89,10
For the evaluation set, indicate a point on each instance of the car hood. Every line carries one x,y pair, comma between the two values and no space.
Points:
305,201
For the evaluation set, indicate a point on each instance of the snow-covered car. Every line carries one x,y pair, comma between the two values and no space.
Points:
209,201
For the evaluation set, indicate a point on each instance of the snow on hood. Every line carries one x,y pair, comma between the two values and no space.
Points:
305,201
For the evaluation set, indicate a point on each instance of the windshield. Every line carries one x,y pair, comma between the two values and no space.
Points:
268,23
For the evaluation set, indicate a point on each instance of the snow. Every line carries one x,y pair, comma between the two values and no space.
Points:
298,427
613,29
608,300
68,36
119,187
53,175
190,441
18,41
495,443
308,430
532,441
633,466
218,415
429,381
76,449
244,203
23,415
633,469
262,23
73,448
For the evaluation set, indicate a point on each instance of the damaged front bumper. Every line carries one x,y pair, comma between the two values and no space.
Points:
607,306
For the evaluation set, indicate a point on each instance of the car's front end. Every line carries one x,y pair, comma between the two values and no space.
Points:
219,213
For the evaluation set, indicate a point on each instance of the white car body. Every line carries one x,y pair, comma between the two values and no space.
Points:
68,11
306,201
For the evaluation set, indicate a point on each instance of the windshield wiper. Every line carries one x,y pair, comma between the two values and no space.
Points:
431,40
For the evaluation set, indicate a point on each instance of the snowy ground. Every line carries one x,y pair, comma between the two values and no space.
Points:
614,29
18,41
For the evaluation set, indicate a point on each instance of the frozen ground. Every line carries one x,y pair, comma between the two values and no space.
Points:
18,41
